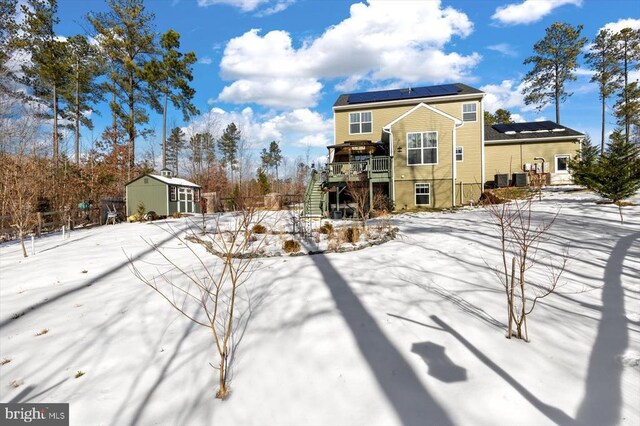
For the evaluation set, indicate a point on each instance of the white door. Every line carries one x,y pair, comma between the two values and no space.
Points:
185,200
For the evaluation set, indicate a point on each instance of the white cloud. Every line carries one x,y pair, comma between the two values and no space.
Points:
507,95
584,72
318,140
517,118
634,24
300,127
400,40
504,48
273,92
529,11
273,6
205,60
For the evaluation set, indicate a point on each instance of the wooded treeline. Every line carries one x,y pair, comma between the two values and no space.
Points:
51,86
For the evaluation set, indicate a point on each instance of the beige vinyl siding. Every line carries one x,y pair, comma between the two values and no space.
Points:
468,136
510,157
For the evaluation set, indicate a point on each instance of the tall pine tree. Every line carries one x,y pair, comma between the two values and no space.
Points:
175,145
49,69
169,76
602,59
554,64
82,90
228,147
627,108
127,36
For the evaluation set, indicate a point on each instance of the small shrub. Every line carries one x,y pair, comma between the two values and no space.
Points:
43,331
141,210
326,228
176,215
5,361
259,229
350,234
291,246
79,373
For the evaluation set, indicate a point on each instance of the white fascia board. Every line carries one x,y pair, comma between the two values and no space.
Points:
409,101
573,138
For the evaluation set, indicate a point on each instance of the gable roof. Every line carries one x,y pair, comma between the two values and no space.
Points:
423,92
430,108
529,131
168,180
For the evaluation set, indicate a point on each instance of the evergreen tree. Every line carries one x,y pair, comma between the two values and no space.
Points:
263,181
82,90
202,153
627,108
49,69
175,145
127,37
618,171
8,31
584,167
601,58
170,76
501,116
228,146
554,63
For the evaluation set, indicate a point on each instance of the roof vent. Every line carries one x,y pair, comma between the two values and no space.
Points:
166,173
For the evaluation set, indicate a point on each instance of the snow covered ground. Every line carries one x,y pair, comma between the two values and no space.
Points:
408,332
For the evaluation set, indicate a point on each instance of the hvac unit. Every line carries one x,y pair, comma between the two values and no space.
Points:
519,179
501,180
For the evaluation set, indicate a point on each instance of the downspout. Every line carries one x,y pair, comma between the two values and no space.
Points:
454,165
482,180
387,130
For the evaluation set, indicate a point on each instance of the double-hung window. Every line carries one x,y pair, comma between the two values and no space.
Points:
459,153
470,112
360,122
423,194
422,148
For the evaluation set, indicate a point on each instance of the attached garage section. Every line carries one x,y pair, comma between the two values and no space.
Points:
510,151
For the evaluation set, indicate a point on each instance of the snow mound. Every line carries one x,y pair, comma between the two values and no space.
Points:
630,359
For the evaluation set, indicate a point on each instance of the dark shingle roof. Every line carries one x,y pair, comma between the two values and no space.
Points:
491,134
462,89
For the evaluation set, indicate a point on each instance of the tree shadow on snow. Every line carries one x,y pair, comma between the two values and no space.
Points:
603,394
554,414
410,400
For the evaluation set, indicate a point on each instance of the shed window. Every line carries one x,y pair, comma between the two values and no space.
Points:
172,194
146,180
459,153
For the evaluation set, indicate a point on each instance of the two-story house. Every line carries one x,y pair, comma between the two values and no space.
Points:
423,147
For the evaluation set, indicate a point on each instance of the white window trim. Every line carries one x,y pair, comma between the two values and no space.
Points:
461,153
361,112
462,110
437,148
555,163
415,193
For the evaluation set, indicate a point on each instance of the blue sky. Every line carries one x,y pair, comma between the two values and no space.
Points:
275,67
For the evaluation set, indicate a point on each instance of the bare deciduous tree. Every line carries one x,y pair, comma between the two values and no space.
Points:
212,285
359,193
520,237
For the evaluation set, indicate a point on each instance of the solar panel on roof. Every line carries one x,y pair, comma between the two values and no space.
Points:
397,94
